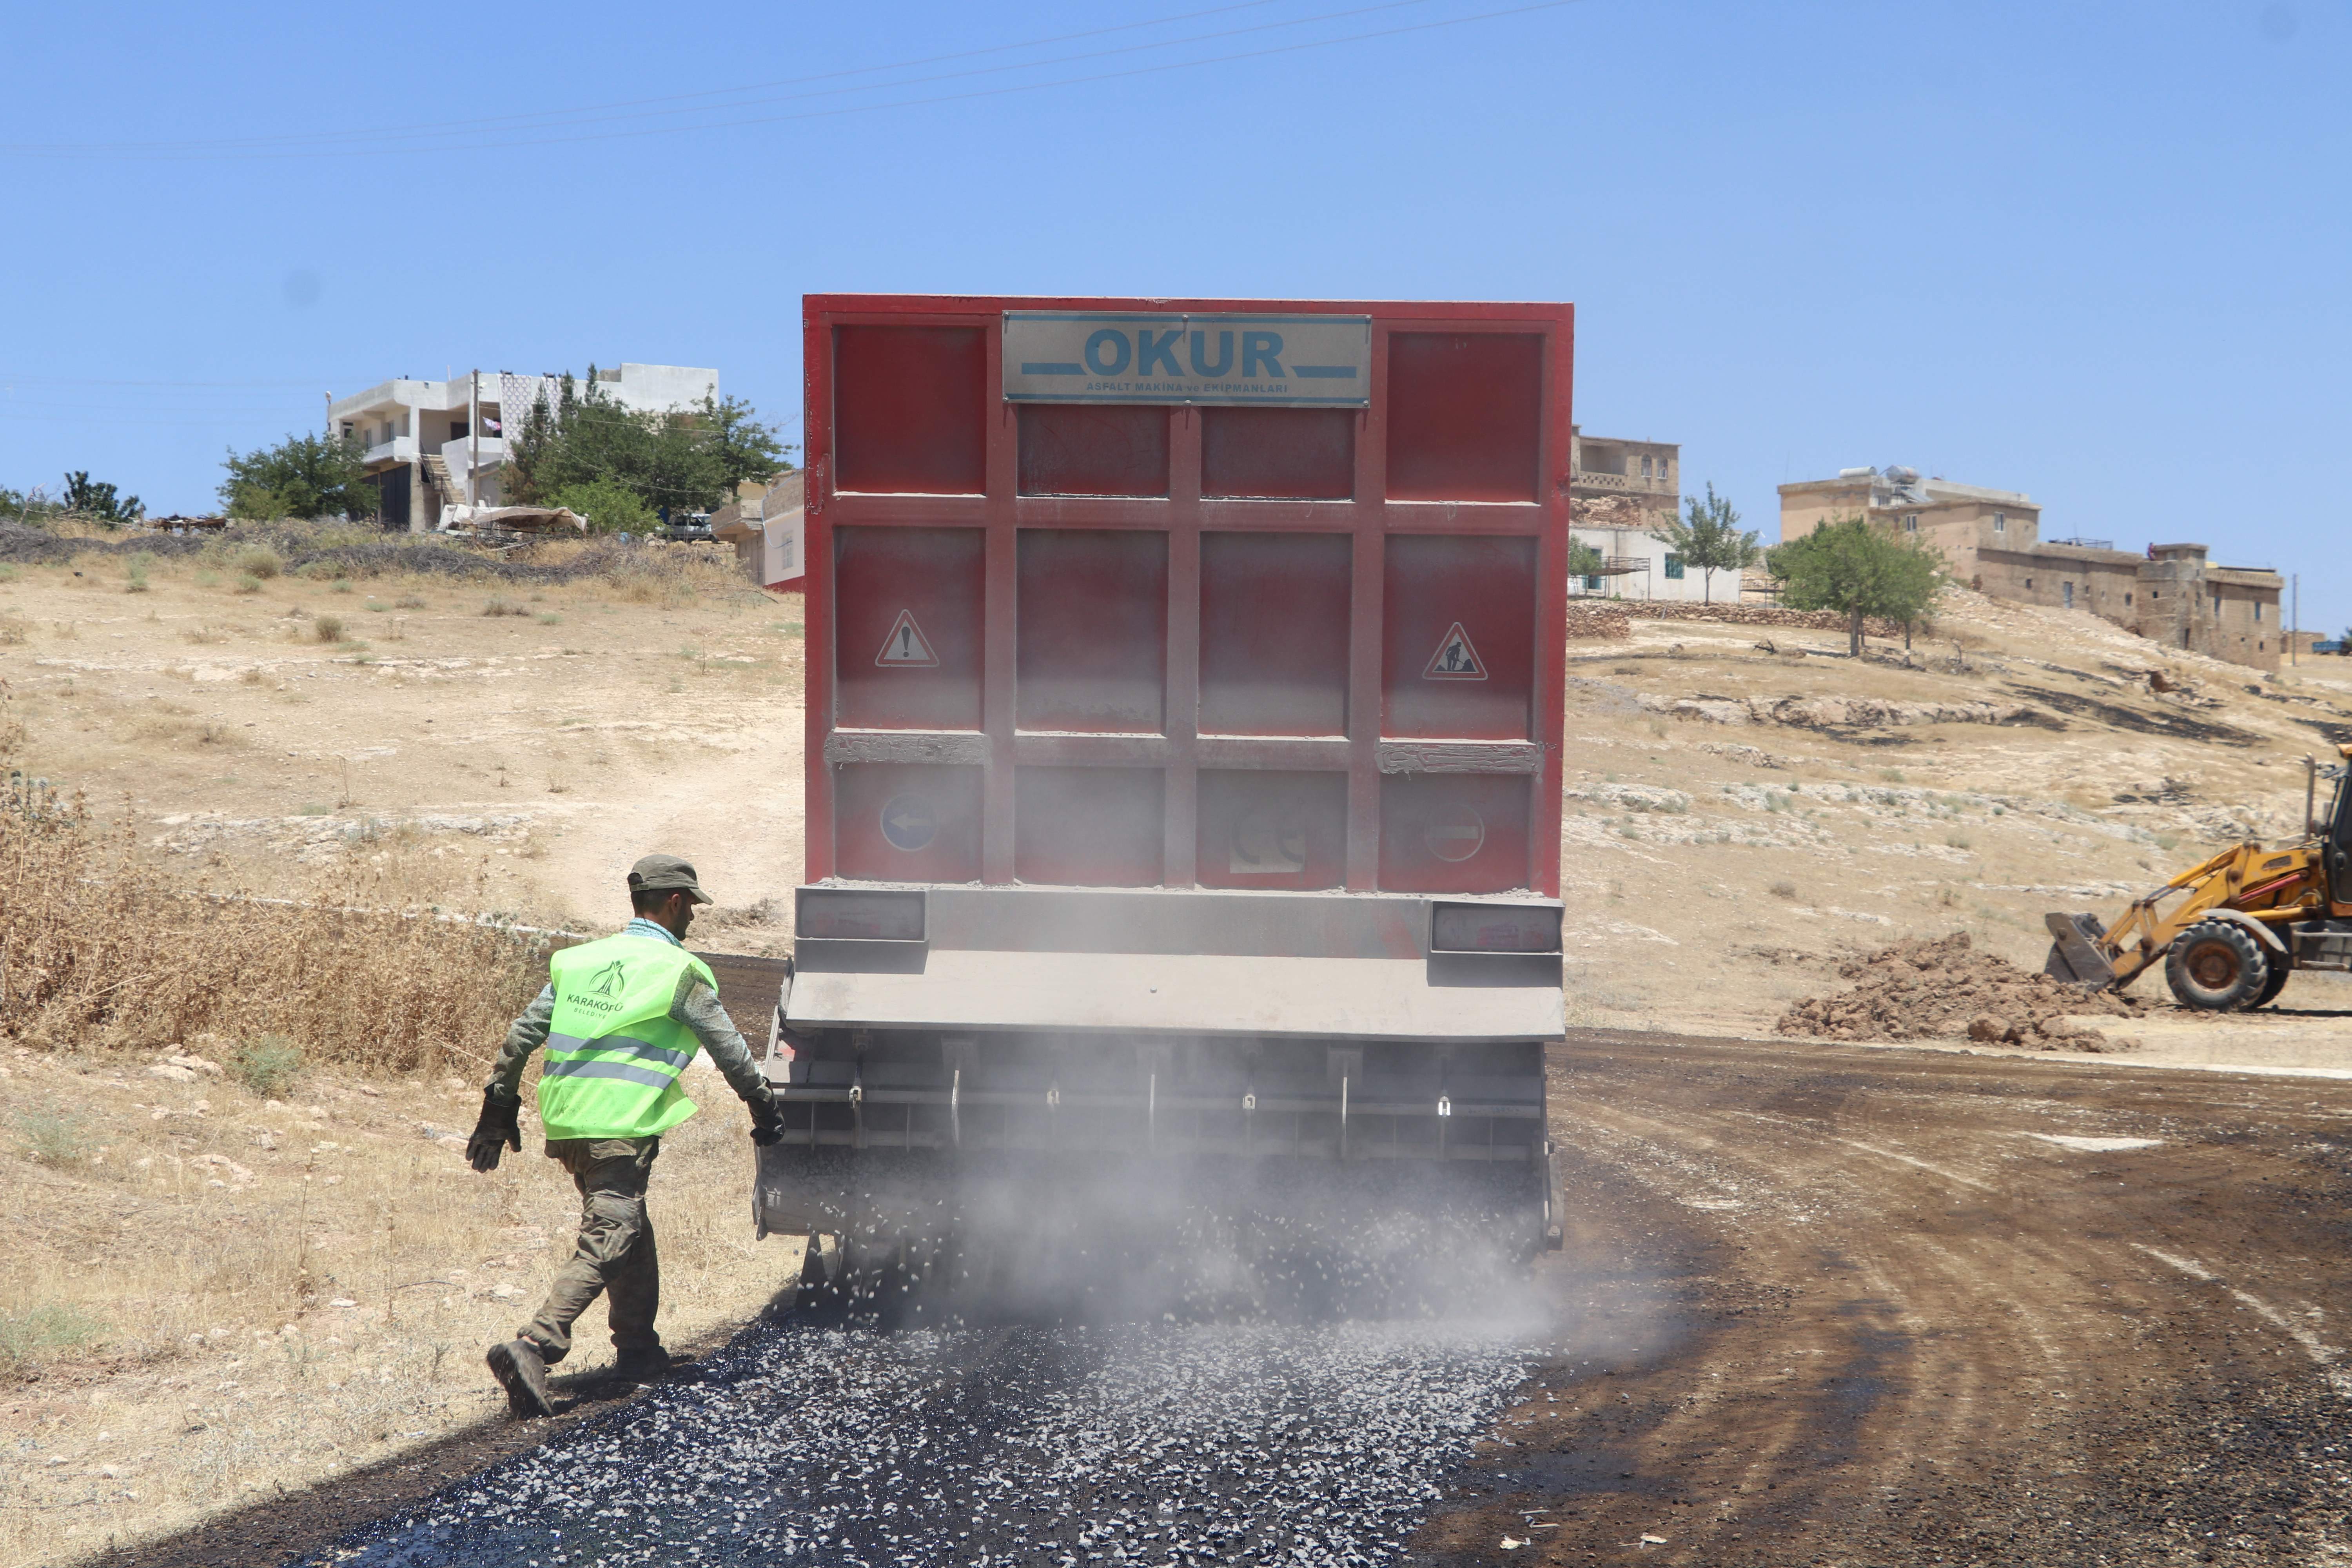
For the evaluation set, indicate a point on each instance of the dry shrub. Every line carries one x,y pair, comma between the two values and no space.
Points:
260,560
14,629
99,950
327,629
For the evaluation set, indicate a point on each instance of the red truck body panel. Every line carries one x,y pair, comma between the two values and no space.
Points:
1192,643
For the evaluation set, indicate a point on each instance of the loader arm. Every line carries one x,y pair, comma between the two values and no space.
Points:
2141,938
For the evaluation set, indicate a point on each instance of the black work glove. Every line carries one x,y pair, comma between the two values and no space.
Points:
767,1122
499,1124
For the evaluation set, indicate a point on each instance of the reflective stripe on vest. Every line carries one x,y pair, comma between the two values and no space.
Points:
614,1053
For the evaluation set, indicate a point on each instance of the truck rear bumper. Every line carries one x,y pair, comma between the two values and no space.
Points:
1499,997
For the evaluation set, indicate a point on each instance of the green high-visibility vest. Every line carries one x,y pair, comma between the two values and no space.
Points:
614,1053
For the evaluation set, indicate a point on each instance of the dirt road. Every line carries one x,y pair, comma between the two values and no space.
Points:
1818,1305
1892,1308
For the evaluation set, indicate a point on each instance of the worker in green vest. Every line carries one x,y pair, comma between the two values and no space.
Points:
620,1019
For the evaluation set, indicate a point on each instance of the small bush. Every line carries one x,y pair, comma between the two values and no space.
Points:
341,586
27,1333
202,634
246,583
49,1136
610,506
268,1065
327,629
134,572
259,561
14,629
500,605
1784,890
551,620
409,602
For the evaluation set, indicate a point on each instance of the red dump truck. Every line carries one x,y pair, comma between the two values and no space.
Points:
1183,768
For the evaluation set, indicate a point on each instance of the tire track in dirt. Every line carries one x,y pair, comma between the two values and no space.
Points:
1916,1332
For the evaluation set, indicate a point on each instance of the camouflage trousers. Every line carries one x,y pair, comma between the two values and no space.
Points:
615,1256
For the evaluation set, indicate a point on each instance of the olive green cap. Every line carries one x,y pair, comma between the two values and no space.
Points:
659,873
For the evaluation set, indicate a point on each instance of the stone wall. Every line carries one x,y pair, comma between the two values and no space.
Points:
1598,620
1759,615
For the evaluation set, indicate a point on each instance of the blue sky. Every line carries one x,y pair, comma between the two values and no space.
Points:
2095,252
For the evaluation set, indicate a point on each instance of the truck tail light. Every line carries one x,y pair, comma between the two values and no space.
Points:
1494,928
855,914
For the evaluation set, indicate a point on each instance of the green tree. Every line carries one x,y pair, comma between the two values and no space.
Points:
744,446
100,501
1583,560
302,476
684,459
1859,571
1710,539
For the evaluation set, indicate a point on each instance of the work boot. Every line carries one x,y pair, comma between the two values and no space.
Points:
646,1365
521,1370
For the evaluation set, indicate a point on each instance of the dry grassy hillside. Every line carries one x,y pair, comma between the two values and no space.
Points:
228,1275
1746,805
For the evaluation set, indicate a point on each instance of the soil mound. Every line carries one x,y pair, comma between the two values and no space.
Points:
1941,988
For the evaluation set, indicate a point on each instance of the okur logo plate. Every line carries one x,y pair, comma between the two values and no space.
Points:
1060,356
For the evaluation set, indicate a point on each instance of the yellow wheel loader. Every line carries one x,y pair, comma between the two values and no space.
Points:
2229,932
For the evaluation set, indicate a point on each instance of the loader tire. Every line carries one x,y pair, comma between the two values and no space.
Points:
2216,966
2274,984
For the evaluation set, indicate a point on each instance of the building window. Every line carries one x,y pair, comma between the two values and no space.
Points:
1592,584
2070,595
2029,582
1674,566
2000,523
2258,612
2126,600
1645,468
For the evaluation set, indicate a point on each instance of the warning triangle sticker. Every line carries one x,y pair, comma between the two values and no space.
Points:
1455,660
906,647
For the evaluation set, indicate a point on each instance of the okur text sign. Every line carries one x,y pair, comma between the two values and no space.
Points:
1056,356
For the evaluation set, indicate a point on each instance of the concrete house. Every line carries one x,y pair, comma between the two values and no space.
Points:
432,443
1619,491
1992,541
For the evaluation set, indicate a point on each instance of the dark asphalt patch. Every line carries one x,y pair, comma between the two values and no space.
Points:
1158,1444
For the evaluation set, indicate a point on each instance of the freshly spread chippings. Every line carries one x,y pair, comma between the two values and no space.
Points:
1160,1443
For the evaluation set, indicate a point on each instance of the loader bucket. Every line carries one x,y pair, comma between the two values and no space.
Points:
2075,956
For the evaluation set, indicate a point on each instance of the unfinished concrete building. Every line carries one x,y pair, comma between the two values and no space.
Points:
1623,492
1992,541
432,445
